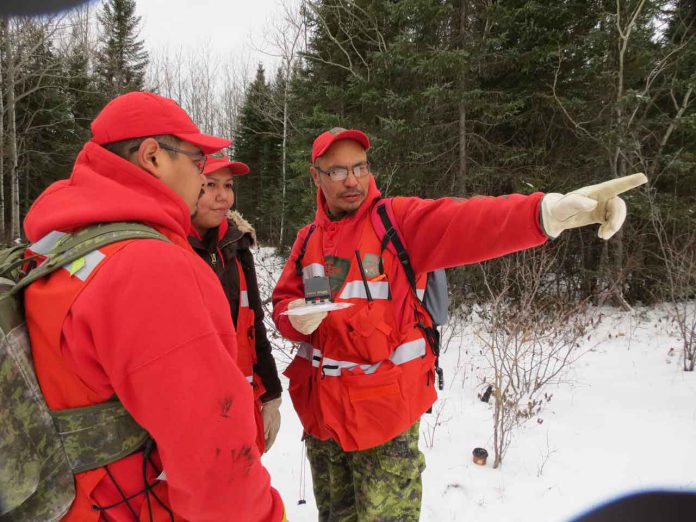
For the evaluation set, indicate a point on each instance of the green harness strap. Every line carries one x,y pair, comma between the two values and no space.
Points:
97,435
72,247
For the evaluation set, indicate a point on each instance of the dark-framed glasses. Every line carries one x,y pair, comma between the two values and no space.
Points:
341,173
198,158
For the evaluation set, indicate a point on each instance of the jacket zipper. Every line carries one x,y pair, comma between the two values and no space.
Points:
223,245
213,257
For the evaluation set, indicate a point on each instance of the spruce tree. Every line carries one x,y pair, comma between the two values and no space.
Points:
82,83
257,143
462,97
121,57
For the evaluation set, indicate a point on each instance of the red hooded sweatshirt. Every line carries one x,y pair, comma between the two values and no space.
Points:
153,327
438,233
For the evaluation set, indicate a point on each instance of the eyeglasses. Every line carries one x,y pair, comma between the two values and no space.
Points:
341,173
198,158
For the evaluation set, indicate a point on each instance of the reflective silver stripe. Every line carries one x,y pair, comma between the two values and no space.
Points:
250,379
333,368
309,352
305,351
408,351
244,299
420,292
313,270
91,261
401,355
356,290
44,245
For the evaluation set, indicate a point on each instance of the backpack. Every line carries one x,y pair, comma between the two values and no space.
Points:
41,449
435,299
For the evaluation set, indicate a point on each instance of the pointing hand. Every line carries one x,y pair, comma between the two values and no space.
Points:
588,205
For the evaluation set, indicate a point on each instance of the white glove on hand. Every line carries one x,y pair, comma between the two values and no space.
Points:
594,204
270,411
305,324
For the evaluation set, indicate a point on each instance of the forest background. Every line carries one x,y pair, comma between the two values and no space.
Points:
459,97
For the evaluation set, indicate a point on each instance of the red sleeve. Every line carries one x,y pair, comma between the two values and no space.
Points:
288,288
450,232
154,324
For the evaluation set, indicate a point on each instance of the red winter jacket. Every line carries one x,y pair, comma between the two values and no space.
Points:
438,233
153,327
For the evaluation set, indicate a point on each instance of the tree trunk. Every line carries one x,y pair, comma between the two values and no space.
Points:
618,246
619,166
286,93
3,35
462,171
12,137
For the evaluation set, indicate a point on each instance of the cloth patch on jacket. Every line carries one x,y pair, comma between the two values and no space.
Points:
371,265
336,270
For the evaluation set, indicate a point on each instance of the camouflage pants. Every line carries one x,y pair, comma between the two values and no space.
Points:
381,484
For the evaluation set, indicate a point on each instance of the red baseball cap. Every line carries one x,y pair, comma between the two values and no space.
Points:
141,114
219,161
328,138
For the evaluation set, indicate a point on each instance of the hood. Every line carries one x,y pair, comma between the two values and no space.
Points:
322,217
104,187
242,225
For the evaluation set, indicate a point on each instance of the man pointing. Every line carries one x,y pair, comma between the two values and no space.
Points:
365,374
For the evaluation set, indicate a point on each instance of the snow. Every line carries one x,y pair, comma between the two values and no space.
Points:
623,419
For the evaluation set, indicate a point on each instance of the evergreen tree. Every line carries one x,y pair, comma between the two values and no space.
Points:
121,57
671,118
82,84
45,137
257,143
465,97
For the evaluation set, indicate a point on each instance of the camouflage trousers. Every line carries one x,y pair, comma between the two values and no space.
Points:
381,484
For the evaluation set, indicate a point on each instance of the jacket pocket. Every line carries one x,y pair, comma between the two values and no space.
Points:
374,408
370,332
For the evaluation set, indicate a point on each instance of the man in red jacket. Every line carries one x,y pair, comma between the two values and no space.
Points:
146,321
363,375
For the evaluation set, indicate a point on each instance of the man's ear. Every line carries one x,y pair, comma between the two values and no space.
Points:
147,157
315,175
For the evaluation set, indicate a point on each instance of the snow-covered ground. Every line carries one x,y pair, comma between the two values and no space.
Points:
622,420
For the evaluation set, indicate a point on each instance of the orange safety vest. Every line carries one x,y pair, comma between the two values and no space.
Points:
47,303
365,376
246,352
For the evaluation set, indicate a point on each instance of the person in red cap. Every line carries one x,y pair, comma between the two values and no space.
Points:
145,322
223,239
366,371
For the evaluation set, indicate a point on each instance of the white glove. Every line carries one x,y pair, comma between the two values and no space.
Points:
305,324
594,204
270,411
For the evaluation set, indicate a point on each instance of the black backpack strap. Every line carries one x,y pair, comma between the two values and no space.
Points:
431,333
303,250
391,235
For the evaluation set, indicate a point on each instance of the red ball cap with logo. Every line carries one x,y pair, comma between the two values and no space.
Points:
142,114
328,138
219,161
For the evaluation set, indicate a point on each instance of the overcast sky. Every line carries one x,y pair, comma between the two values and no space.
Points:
229,27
